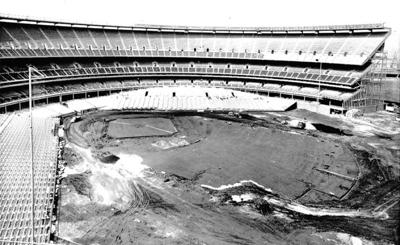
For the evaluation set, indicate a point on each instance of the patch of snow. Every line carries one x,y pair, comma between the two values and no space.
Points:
241,183
170,234
259,115
375,145
309,126
356,241
243,198
112,184
296,207
172,143
281,216
364,129
294,123
293,132
69,171
349,239
132,164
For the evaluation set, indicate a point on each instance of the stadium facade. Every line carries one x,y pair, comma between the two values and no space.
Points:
332,65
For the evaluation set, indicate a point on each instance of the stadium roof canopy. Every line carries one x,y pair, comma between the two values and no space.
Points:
377,27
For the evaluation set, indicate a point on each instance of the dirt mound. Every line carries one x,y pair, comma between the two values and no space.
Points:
80,182
73,158
106,157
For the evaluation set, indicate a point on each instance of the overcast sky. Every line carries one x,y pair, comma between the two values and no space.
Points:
215,12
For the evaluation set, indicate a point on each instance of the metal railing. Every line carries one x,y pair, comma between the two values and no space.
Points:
67,73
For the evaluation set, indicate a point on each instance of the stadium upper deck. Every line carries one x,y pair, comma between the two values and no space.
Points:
349,44
279,60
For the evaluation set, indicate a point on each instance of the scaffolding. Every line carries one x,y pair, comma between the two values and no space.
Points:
368,97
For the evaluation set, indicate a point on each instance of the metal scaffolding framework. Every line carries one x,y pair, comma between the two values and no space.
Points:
369,96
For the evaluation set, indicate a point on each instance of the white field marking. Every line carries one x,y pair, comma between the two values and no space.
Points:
123,123
158,129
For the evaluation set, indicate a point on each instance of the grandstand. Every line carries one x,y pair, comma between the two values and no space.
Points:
331,65
297,62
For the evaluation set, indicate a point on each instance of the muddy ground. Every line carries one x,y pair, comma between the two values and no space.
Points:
170,203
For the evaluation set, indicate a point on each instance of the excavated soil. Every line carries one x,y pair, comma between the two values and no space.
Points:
172,202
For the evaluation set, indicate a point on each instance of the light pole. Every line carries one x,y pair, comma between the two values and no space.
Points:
31,142
30,69
319,78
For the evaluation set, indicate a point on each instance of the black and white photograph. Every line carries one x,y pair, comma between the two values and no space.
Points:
211,122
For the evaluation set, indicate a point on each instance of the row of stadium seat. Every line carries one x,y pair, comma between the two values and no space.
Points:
172,98
273,56
289,47
49,90
104,64
113,53
4,120
344,78
160,102
15,178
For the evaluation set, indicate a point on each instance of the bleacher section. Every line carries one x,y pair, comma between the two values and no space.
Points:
15,178
176,98
193,98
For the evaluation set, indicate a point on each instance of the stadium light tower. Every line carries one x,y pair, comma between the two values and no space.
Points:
30,71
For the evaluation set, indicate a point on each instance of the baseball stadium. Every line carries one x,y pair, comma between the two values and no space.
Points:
167,134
